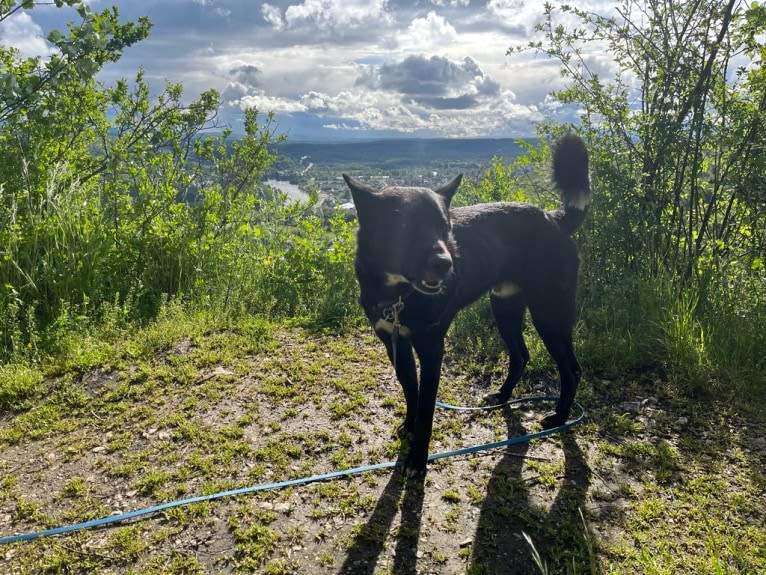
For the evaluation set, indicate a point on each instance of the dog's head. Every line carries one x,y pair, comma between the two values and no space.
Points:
405,234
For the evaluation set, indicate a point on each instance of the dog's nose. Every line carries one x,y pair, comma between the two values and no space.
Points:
439,264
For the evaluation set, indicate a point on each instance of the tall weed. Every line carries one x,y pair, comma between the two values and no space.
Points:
684,337
51,247
734,316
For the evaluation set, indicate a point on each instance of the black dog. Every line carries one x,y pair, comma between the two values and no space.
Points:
419,262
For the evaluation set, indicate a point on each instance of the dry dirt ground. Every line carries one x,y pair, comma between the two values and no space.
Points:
650,482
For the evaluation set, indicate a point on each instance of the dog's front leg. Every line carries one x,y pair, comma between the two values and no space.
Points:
430,351
406,373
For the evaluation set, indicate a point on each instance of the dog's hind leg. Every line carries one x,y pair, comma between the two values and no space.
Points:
559,345
509,316
406,373
551,302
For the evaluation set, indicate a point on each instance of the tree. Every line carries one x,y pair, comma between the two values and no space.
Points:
677,129
98,39
674,248
112,196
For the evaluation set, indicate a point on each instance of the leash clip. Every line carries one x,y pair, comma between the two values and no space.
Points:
391,313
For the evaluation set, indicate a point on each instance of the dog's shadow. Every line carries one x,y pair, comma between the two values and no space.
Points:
370,541
509,510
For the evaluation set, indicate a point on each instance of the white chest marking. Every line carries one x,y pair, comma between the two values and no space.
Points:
388,327
394,279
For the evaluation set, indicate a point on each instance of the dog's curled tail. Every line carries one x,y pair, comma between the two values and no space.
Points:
570,173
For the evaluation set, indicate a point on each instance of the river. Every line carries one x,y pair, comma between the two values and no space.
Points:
293,191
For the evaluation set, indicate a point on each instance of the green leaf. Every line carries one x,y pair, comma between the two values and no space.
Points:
55,37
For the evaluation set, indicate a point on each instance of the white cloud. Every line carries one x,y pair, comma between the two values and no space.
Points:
433,83
462,3
337,14
347,103
222,12
21,32
261,101
425,79
424,95
360,110
518,15
234,92
341,63
273,16
431,32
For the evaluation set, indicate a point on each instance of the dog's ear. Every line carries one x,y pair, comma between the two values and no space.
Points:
449,190
359,192
363,196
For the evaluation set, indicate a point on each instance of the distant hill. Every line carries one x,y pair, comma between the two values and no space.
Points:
402,151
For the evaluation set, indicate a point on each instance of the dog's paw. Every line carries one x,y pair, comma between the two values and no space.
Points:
553,420
495,398
414,468
404,431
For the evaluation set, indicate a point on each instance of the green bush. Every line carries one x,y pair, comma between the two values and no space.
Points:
115,203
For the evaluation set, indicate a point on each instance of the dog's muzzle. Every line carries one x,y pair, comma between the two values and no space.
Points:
438,269
430,288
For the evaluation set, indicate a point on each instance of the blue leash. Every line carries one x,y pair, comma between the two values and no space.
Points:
32,535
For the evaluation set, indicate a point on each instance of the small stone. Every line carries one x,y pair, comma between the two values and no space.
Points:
682,420
466,543
631,406
99,449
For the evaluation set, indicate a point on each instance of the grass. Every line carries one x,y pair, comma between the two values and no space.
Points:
675,485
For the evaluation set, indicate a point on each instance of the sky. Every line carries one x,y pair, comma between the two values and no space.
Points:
343,69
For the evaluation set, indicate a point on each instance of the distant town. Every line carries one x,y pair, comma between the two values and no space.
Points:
302,168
